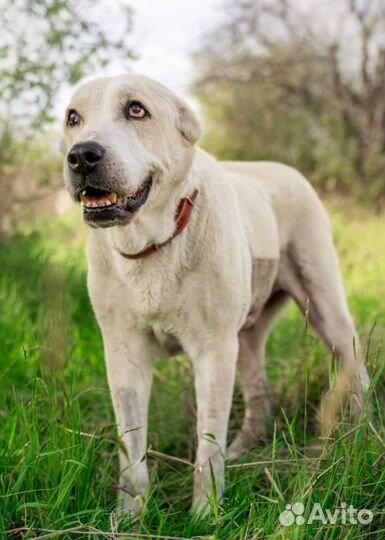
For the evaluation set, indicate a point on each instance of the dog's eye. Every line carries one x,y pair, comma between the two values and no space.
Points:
136,110
73,118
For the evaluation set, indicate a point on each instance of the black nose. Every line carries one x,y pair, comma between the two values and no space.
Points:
84,157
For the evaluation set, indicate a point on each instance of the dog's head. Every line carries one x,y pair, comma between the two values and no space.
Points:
125,137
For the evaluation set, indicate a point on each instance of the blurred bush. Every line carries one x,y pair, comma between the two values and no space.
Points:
302,83
30,170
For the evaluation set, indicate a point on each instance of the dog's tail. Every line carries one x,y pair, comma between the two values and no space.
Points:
346,395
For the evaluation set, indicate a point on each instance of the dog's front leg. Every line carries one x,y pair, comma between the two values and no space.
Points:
129,369
214,369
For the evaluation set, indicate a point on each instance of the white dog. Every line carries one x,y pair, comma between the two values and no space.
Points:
191,252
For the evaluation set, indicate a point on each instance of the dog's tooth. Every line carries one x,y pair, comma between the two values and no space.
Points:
112,198
96,203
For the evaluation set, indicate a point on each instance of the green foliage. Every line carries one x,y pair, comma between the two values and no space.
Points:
58,448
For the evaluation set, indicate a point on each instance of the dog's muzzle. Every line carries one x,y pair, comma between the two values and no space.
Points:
104,204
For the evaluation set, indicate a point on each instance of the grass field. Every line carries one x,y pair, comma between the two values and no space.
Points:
58,448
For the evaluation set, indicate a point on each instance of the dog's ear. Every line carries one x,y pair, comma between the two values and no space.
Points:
188,123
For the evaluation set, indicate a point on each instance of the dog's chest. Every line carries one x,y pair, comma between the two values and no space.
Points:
153,295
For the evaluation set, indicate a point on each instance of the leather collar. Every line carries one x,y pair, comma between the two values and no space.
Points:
182,217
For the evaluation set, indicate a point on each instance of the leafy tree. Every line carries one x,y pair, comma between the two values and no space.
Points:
47,43
278,81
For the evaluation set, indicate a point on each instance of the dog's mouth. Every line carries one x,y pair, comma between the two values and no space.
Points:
97,198
102,208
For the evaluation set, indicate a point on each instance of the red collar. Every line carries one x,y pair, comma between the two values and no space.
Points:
182,217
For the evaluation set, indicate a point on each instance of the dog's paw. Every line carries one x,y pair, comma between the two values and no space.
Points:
244,442
236,449
131,506
209,485
202,506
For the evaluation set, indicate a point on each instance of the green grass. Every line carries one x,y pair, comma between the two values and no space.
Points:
58,447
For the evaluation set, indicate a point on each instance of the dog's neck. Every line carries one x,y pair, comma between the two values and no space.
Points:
154,225
182,218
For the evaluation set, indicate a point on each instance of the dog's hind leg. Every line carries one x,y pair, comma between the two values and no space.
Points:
312,276
252,377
